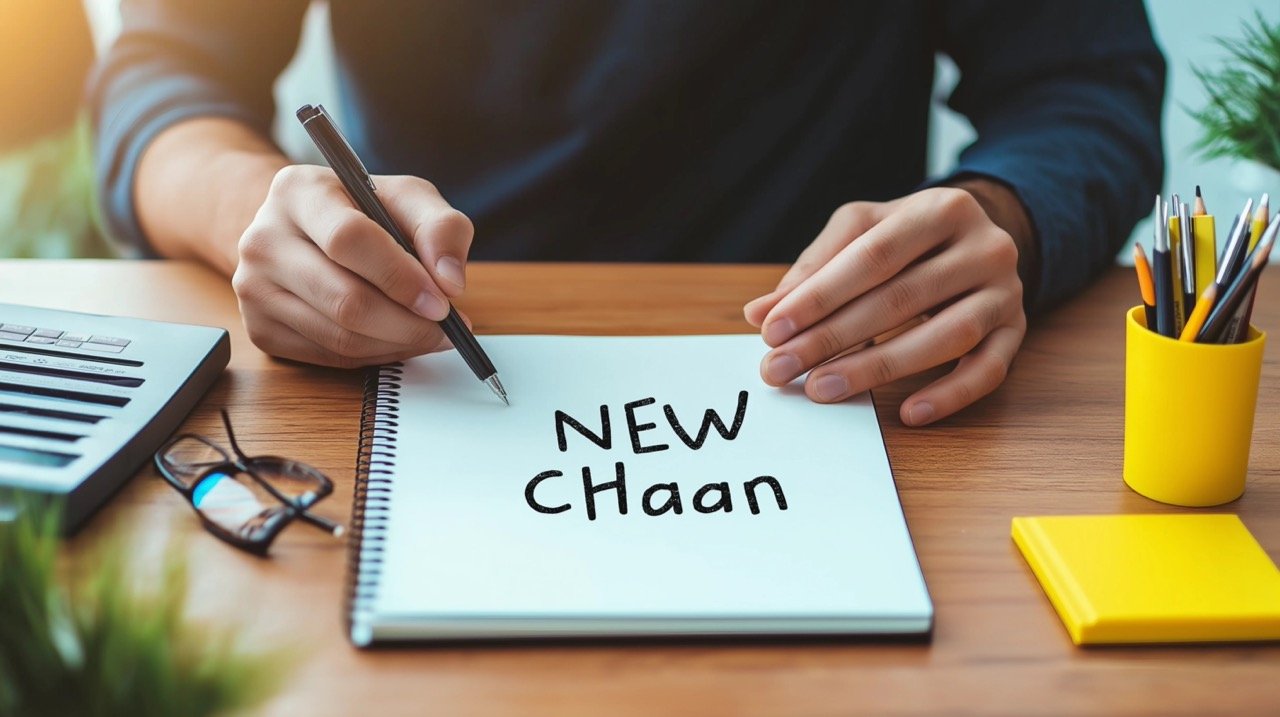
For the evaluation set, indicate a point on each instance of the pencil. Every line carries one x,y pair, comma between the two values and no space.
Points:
1200,211
1196,320
1173,230
1218,327
1148,291
1237,242
1259,221
1239,329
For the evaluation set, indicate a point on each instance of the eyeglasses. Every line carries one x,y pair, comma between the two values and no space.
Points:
243,500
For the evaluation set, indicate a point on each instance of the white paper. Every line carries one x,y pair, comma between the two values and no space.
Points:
466,554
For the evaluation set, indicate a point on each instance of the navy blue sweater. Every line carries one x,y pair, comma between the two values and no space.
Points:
678,130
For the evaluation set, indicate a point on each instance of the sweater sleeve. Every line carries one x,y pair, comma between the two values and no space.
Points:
175,60
1066,99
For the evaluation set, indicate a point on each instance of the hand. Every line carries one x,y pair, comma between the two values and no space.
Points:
320,282
877,266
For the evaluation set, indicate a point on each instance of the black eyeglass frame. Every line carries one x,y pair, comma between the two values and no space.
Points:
244,464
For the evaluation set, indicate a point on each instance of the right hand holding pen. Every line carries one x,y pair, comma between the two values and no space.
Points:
320,282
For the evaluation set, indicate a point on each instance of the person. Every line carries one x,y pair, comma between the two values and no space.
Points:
652,131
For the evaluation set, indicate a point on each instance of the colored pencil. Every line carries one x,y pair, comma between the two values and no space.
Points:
1196,320
1237,244
1148,291
1218,327
1244,314
1259,221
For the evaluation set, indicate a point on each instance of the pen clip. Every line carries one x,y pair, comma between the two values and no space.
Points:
351,153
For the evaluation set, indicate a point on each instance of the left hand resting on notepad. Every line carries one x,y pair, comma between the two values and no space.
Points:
948,253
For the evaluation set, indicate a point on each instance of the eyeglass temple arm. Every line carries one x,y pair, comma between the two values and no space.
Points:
231,435
334,529
328,526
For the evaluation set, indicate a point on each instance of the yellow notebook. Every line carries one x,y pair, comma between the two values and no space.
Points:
1153,578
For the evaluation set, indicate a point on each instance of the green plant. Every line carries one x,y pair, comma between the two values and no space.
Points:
99,645
1242,117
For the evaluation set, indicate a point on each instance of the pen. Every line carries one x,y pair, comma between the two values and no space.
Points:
1160,270
1188,245
356,180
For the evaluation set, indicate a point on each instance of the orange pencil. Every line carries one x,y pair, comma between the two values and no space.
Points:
1196,320
1145,284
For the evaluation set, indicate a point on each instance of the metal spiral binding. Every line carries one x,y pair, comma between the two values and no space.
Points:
375,464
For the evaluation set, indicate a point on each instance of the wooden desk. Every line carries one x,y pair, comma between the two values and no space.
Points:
1049,441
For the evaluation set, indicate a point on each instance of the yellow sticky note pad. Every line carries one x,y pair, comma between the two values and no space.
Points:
1153,578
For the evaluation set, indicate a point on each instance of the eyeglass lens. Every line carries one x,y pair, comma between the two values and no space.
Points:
190,457
242,506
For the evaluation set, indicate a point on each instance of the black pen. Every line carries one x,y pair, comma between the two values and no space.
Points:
1161,272
355,178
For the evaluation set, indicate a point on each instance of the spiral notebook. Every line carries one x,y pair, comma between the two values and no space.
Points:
636,486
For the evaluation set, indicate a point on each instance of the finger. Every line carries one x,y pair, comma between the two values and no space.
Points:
441,234
977,374
283,342
323,212
346,299
846,224
925,222
315,326
947,336
890,305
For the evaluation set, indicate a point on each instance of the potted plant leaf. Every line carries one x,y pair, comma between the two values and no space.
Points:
1241,119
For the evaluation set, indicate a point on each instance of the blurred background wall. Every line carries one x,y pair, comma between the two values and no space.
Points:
44,52
45,186
1185,30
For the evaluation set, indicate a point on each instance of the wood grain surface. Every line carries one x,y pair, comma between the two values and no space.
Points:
1047,442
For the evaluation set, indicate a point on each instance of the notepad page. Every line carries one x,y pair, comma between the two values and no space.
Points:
475,535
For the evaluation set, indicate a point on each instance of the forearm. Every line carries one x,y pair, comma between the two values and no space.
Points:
198,186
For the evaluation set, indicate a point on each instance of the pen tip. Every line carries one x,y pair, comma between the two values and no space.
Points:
495,384
1197,190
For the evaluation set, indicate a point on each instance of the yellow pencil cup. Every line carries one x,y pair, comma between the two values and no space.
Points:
1188,415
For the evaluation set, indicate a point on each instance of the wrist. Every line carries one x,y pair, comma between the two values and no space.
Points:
1006,211
242,180
199,185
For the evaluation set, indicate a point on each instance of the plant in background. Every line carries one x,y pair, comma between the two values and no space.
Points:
99,645
1242,118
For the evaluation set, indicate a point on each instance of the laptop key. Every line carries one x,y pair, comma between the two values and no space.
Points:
109,340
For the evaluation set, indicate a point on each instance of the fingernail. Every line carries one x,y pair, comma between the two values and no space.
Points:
430,306
921,413
778,331
782,368
830,387
450,270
